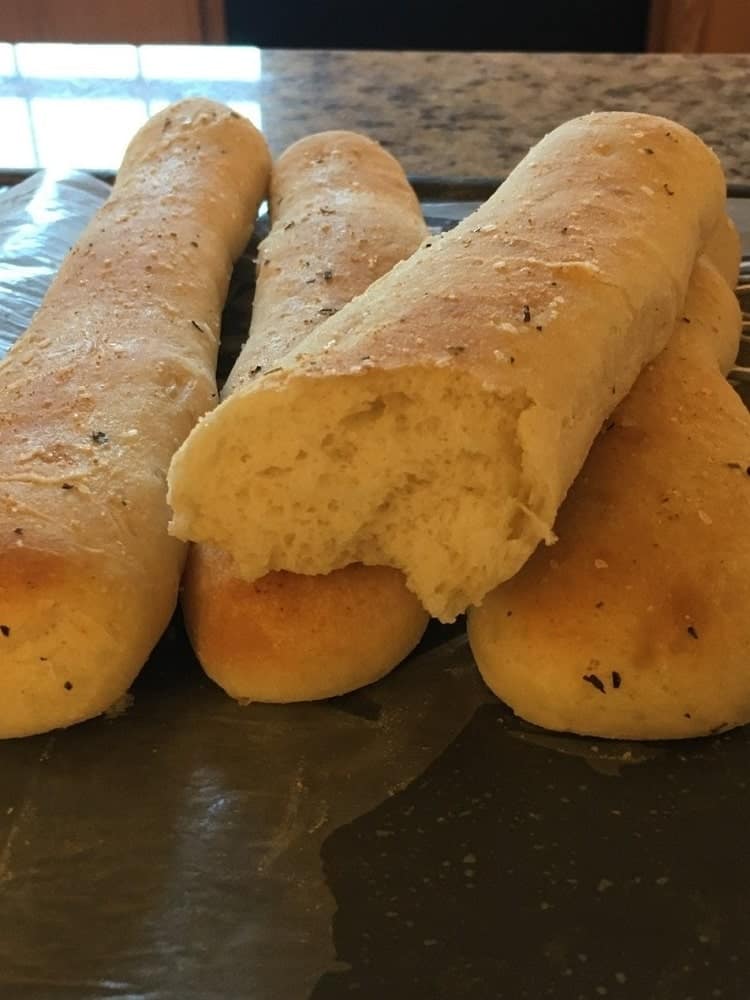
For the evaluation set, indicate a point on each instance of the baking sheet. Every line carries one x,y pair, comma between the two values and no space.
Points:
411,840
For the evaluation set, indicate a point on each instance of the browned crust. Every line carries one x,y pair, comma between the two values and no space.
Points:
289,637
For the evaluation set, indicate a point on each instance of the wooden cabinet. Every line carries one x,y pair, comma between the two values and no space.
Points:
699,26
136,21
674,25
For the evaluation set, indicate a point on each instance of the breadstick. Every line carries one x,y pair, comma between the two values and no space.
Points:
436,423
115,369
343,214
635,625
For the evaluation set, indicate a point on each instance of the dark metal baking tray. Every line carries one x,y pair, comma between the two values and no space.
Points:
412,840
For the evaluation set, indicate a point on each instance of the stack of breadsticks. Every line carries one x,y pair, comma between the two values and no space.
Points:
397,437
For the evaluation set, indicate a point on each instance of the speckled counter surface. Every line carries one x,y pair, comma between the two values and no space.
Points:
461,114
450,114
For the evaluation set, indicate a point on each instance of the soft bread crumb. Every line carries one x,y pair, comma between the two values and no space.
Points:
391,453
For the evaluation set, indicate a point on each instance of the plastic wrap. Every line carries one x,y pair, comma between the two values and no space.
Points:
40,219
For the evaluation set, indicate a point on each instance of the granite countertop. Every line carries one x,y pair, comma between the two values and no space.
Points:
450,114
462,114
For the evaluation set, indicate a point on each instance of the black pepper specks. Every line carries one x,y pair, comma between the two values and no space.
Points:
289,225
327,311
197,326
669,190
327,274
18,531
5,629
99,437
595,681
258,368
455,349
68,686
526,314
599,604
649,150
685,319
67,486
616,679
194,243
692,632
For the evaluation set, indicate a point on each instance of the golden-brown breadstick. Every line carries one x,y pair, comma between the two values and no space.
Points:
343,214
115,368
635,624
